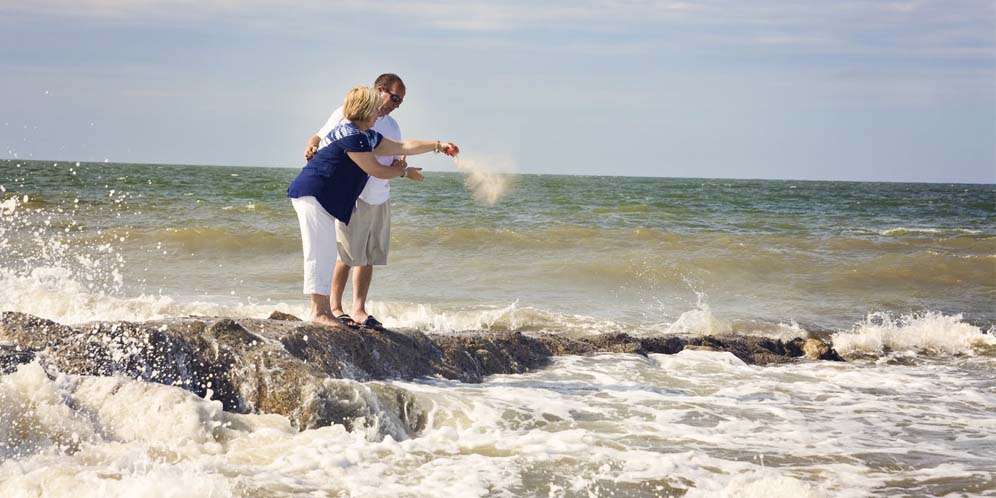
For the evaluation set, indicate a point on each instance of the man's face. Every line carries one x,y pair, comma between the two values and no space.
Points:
392,96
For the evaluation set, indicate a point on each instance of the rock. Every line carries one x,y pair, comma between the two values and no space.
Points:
794,347
817,349
750,349
814,349
313,374
279,315
663,345
695,347
30,331
469,358
382,408
11,356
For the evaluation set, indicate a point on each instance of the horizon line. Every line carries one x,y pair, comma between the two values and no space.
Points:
55,161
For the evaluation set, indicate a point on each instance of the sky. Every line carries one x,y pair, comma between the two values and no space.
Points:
806,89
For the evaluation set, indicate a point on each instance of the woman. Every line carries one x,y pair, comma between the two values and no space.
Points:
328,186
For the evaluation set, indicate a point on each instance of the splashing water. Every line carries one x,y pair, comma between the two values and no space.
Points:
930,332
486,186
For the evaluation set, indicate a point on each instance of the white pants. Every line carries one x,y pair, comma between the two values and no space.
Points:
318,242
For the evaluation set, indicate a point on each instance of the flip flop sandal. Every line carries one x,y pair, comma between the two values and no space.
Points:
373,323
347,321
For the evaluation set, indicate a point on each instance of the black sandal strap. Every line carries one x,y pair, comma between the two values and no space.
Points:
346,320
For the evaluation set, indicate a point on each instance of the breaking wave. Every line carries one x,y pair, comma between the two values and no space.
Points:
929,332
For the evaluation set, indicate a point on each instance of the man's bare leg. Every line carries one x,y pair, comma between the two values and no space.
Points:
339,277
320,312
362,276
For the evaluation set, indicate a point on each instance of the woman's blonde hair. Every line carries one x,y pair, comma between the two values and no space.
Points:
361,103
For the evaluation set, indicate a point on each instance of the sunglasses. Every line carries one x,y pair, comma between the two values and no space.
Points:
395,98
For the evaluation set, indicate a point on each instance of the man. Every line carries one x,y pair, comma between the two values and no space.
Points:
364,242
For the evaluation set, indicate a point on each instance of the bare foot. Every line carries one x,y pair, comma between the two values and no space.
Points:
360,316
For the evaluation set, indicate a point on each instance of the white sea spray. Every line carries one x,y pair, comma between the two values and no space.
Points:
929,332
54,293
444,320
699,321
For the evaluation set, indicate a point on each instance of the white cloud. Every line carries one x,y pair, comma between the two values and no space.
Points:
930,28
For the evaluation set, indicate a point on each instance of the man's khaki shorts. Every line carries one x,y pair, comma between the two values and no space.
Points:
365,241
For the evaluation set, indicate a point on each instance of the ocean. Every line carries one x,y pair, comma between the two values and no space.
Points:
902,276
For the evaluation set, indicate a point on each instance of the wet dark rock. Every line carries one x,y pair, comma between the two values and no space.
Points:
31,332
280,315
663,344
700,347
362,354
471,357
308,372
11,356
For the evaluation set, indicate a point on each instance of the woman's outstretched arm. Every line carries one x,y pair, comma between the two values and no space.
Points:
388,147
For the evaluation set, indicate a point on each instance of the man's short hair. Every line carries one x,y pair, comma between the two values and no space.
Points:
387,80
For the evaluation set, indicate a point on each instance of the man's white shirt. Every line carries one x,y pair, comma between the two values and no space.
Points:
377,191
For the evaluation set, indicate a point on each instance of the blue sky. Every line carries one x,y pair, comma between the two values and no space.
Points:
857,90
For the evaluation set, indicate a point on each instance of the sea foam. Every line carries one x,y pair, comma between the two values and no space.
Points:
54,292
696,423
930,332
111,436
